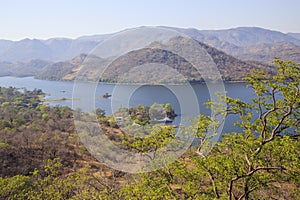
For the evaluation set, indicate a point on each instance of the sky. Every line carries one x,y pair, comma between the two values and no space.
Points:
43,19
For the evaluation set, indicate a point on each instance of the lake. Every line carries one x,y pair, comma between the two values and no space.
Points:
144,95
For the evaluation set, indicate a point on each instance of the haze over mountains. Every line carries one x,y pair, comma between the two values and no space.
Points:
31,57
61,49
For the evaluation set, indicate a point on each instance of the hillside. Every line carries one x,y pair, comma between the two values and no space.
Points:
232,68
250,43
57,71
295,35
56,58
21,69
267,52
125,66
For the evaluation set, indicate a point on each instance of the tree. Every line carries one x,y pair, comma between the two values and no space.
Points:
269,134
258,162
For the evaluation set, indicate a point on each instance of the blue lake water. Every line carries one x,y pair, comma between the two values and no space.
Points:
144,95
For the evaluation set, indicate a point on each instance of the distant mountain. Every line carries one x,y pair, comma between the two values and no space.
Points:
229,67
57,71
295,35
95,38
248,36
25,50
239,42
4,45
239,37
250,43
56,49
268,52
6,68
21,69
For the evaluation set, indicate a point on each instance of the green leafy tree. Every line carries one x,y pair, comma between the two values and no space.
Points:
260,161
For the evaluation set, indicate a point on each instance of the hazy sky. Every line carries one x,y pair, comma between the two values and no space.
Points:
72,18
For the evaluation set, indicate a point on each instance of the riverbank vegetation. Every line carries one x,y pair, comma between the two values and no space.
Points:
42,156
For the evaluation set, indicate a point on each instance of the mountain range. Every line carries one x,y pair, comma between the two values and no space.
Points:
247,45
230,41
134,67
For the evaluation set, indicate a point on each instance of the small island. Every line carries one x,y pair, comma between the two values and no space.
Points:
106,95
143,115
